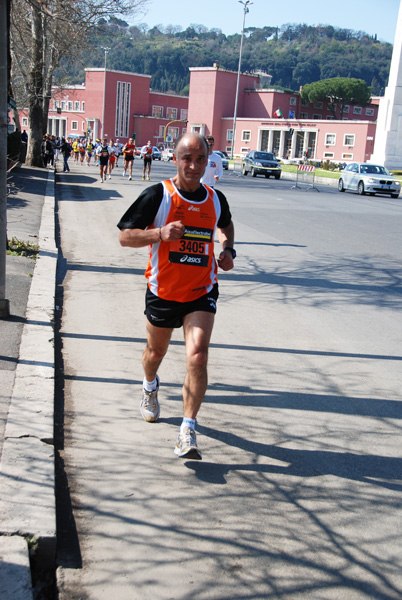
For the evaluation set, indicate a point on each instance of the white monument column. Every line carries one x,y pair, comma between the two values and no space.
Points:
388,137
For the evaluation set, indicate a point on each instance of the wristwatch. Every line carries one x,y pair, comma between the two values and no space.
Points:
233,251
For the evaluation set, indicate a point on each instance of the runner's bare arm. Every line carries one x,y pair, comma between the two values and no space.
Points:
138,238
226,240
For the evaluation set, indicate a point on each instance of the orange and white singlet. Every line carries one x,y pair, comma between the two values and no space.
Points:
185,269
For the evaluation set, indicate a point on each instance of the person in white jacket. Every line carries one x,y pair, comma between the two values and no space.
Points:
214,169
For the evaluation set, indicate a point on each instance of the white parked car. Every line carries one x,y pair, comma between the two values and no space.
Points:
167,154
365,178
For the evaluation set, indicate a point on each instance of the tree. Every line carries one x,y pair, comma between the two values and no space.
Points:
338,92
43,32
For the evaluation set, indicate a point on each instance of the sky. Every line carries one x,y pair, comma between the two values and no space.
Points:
371,16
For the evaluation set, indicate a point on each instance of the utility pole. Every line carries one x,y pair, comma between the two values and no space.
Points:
4,18
106,50
246,4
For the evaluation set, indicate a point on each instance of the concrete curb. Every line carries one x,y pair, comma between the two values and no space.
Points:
27,479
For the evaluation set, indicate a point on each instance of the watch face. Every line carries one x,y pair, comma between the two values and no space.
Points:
234,253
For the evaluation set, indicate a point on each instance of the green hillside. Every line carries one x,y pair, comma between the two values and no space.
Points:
293,54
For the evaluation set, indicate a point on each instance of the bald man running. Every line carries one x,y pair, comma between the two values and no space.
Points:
178,219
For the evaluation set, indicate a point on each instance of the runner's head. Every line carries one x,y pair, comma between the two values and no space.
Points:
190,157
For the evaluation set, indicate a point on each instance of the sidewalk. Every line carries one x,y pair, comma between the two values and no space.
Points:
26,382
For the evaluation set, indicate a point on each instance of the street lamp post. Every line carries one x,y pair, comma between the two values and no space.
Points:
106,50
246,4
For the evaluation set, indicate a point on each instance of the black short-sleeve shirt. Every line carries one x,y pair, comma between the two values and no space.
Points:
142,212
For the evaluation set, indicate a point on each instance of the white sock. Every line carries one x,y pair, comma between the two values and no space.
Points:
187,423
150,386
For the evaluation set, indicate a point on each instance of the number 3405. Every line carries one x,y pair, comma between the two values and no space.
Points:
193,247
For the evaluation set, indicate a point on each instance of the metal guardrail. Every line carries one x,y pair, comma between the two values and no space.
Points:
305,175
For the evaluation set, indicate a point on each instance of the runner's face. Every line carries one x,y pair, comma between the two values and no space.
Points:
190,158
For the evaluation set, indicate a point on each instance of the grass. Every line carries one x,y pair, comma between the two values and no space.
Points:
17,247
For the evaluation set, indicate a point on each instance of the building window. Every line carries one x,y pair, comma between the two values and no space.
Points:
292,101
318,104
347,156
56,104
157,112
24,122
315,116
184,114
303,115
228,149
69,105
174,132
369,112
245,135
328,155
349,139
84,126
305,102
123,99
161,131
171,113
229,135
330,118
244,150
63,106
83,106
346,109
357,110
330,139
76,105
184,130
74,125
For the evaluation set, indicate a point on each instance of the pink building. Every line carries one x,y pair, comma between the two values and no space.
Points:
115,104
118,104
300,127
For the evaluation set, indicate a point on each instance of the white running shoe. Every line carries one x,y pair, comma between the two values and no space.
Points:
130,178
186,445
124,173
149,406
101,180
110,177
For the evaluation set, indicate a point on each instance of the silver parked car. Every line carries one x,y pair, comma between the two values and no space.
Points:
365,178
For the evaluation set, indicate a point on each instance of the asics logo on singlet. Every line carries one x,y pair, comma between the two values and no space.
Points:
194,208
190,259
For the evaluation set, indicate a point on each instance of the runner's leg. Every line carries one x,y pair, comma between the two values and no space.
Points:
158,339
197,328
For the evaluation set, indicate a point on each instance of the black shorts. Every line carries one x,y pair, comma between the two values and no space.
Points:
168,313
147,161
128,157
103,160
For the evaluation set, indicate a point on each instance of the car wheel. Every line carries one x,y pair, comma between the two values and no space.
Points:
394,195
278,176
341,187
360,188
253,173
244,171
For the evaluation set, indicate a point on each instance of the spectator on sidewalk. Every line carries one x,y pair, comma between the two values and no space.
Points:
66,150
